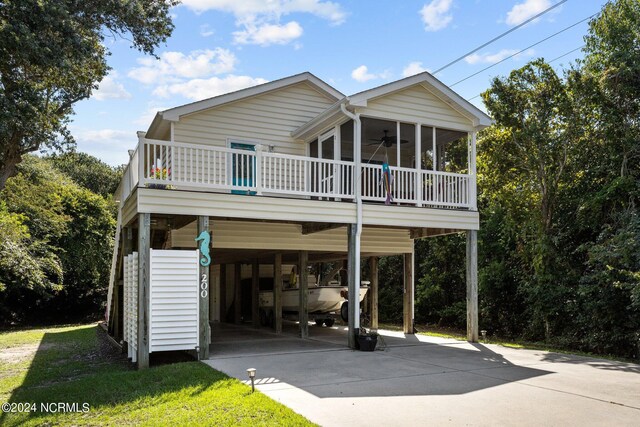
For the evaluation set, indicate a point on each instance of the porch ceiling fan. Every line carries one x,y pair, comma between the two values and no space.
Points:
387,140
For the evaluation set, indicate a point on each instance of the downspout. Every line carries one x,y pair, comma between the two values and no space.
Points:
357,154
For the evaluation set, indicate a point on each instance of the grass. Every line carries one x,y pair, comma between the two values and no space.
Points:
76,364
519,344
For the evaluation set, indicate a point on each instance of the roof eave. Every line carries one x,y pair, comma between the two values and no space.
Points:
478,117
312,125
175,113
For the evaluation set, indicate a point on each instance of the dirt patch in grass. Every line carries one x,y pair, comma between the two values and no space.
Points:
23,352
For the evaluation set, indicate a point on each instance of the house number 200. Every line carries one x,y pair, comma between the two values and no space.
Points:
204,284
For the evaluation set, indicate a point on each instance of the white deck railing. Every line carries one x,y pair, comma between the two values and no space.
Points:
164,164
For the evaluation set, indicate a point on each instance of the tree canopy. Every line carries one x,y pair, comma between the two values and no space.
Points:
52,55
558,183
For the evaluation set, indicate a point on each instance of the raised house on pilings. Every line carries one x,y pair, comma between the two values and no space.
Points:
285,182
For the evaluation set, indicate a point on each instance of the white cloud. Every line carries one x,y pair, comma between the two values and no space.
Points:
492,58
413,68
525,10
206,30
434,15
267,34
205,88
273,9
259,20
174,66
110,88
361,74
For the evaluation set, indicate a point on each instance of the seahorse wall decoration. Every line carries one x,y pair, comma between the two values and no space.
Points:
205,240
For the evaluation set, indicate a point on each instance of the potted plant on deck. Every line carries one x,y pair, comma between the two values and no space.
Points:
159,174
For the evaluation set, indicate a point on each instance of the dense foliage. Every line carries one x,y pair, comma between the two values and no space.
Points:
56,239
559,186
52,55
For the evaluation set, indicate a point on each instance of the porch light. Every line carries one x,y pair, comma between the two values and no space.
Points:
252,375
272,148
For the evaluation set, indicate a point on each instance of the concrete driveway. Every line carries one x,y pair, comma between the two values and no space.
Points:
429,381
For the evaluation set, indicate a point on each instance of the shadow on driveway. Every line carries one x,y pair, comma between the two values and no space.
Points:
409,365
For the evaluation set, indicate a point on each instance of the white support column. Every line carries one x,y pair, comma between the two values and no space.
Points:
353,265
337,155
473,195
398,163
472,285
258,170
417,164
435,152
142,160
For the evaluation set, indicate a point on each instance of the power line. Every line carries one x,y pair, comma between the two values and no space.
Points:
565,54
499,36
549,62
526,48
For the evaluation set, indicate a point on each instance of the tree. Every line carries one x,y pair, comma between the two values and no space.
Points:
55,246
89,172
532,140
52,55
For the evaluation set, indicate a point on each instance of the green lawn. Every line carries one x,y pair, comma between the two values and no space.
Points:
76,364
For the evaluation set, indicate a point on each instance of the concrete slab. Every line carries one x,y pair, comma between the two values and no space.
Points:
423,380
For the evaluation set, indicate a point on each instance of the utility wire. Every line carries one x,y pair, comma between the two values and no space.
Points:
549,62
499,37
526,48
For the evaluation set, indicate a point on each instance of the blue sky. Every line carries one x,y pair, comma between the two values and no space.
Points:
224,45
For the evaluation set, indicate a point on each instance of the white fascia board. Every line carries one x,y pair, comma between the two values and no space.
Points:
174,114
442,91
327,115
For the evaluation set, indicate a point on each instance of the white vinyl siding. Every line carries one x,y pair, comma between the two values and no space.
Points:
268,118
416,104
174,304
280,236
248,207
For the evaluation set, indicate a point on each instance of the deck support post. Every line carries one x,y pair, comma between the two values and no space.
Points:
407,300
223,293
255,291
237,290
373,292
144,246
204,329
352,286
303,293
472,285
277,293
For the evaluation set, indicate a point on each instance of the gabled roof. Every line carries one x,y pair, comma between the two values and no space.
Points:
173,114
360,99
439,89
